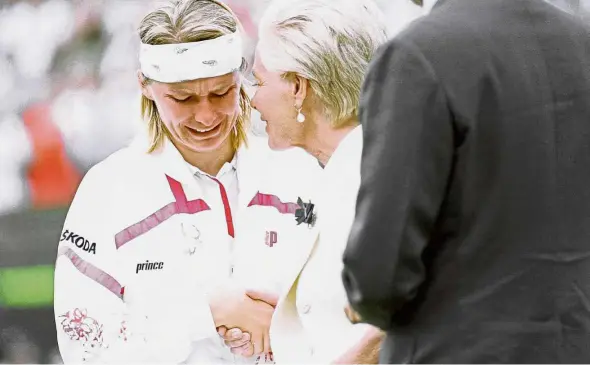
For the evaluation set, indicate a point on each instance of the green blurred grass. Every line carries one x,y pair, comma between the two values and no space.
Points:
26,287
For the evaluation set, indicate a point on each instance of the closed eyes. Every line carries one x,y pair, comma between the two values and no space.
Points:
188,98
179,100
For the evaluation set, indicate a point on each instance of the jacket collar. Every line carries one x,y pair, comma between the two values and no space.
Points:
250,165
341,173
228,166
169,160
349,148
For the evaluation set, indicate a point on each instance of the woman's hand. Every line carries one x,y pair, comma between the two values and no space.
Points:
234,308
238,341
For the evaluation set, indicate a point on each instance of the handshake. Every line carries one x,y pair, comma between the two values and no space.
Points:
242,319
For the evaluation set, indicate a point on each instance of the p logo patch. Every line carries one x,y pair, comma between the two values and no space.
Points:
271,238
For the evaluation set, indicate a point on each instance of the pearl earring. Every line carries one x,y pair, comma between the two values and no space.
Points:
300,116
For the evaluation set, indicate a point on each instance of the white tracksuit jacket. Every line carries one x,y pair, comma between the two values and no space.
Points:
144,242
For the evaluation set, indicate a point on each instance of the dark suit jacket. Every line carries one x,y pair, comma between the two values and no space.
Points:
471,242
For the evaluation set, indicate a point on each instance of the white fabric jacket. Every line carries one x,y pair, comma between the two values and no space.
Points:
142,246
309,324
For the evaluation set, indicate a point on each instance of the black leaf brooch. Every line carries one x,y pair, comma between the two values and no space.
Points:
305,214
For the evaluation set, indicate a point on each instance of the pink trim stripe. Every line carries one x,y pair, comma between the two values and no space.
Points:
181,205
177,190
93,272
145,225
226,207
269,200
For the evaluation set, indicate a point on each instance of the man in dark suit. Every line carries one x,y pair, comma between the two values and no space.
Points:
471,242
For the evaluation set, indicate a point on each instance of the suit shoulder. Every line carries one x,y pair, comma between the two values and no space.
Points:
443,28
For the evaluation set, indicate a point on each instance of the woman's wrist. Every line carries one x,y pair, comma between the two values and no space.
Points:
222,302
216,307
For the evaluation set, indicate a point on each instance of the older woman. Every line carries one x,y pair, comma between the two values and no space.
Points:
164,235
310,63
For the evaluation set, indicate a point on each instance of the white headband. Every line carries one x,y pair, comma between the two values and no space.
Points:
190,61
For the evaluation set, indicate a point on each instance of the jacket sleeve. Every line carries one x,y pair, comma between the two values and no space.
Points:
406,163
102,314
87,290
166,318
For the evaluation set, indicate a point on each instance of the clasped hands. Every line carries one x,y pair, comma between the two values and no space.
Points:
245,322
245,319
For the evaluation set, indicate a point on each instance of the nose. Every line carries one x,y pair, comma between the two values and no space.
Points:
254,102
205,113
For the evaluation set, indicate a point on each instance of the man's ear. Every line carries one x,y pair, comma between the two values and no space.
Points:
300,89
144,85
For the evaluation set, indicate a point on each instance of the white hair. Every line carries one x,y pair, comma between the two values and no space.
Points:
328,42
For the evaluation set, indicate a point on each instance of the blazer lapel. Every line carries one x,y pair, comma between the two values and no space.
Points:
300,257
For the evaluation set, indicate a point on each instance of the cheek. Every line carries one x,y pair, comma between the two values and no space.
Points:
231,103
272,103
228,106
171,113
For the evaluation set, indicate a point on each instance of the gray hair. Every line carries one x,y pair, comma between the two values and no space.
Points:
328,42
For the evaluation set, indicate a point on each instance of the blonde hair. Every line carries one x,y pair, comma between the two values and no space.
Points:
182,21
328,42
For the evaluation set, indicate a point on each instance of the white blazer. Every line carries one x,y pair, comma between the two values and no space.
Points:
142,246
309,324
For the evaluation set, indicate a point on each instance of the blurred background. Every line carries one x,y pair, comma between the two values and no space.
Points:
68,99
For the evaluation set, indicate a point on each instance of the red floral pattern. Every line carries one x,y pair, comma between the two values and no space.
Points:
123,334
80,327
268,359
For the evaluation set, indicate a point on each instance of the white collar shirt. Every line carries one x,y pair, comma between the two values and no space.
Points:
210,185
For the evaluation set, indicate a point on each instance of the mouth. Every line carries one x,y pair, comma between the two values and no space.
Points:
205,130
205,133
